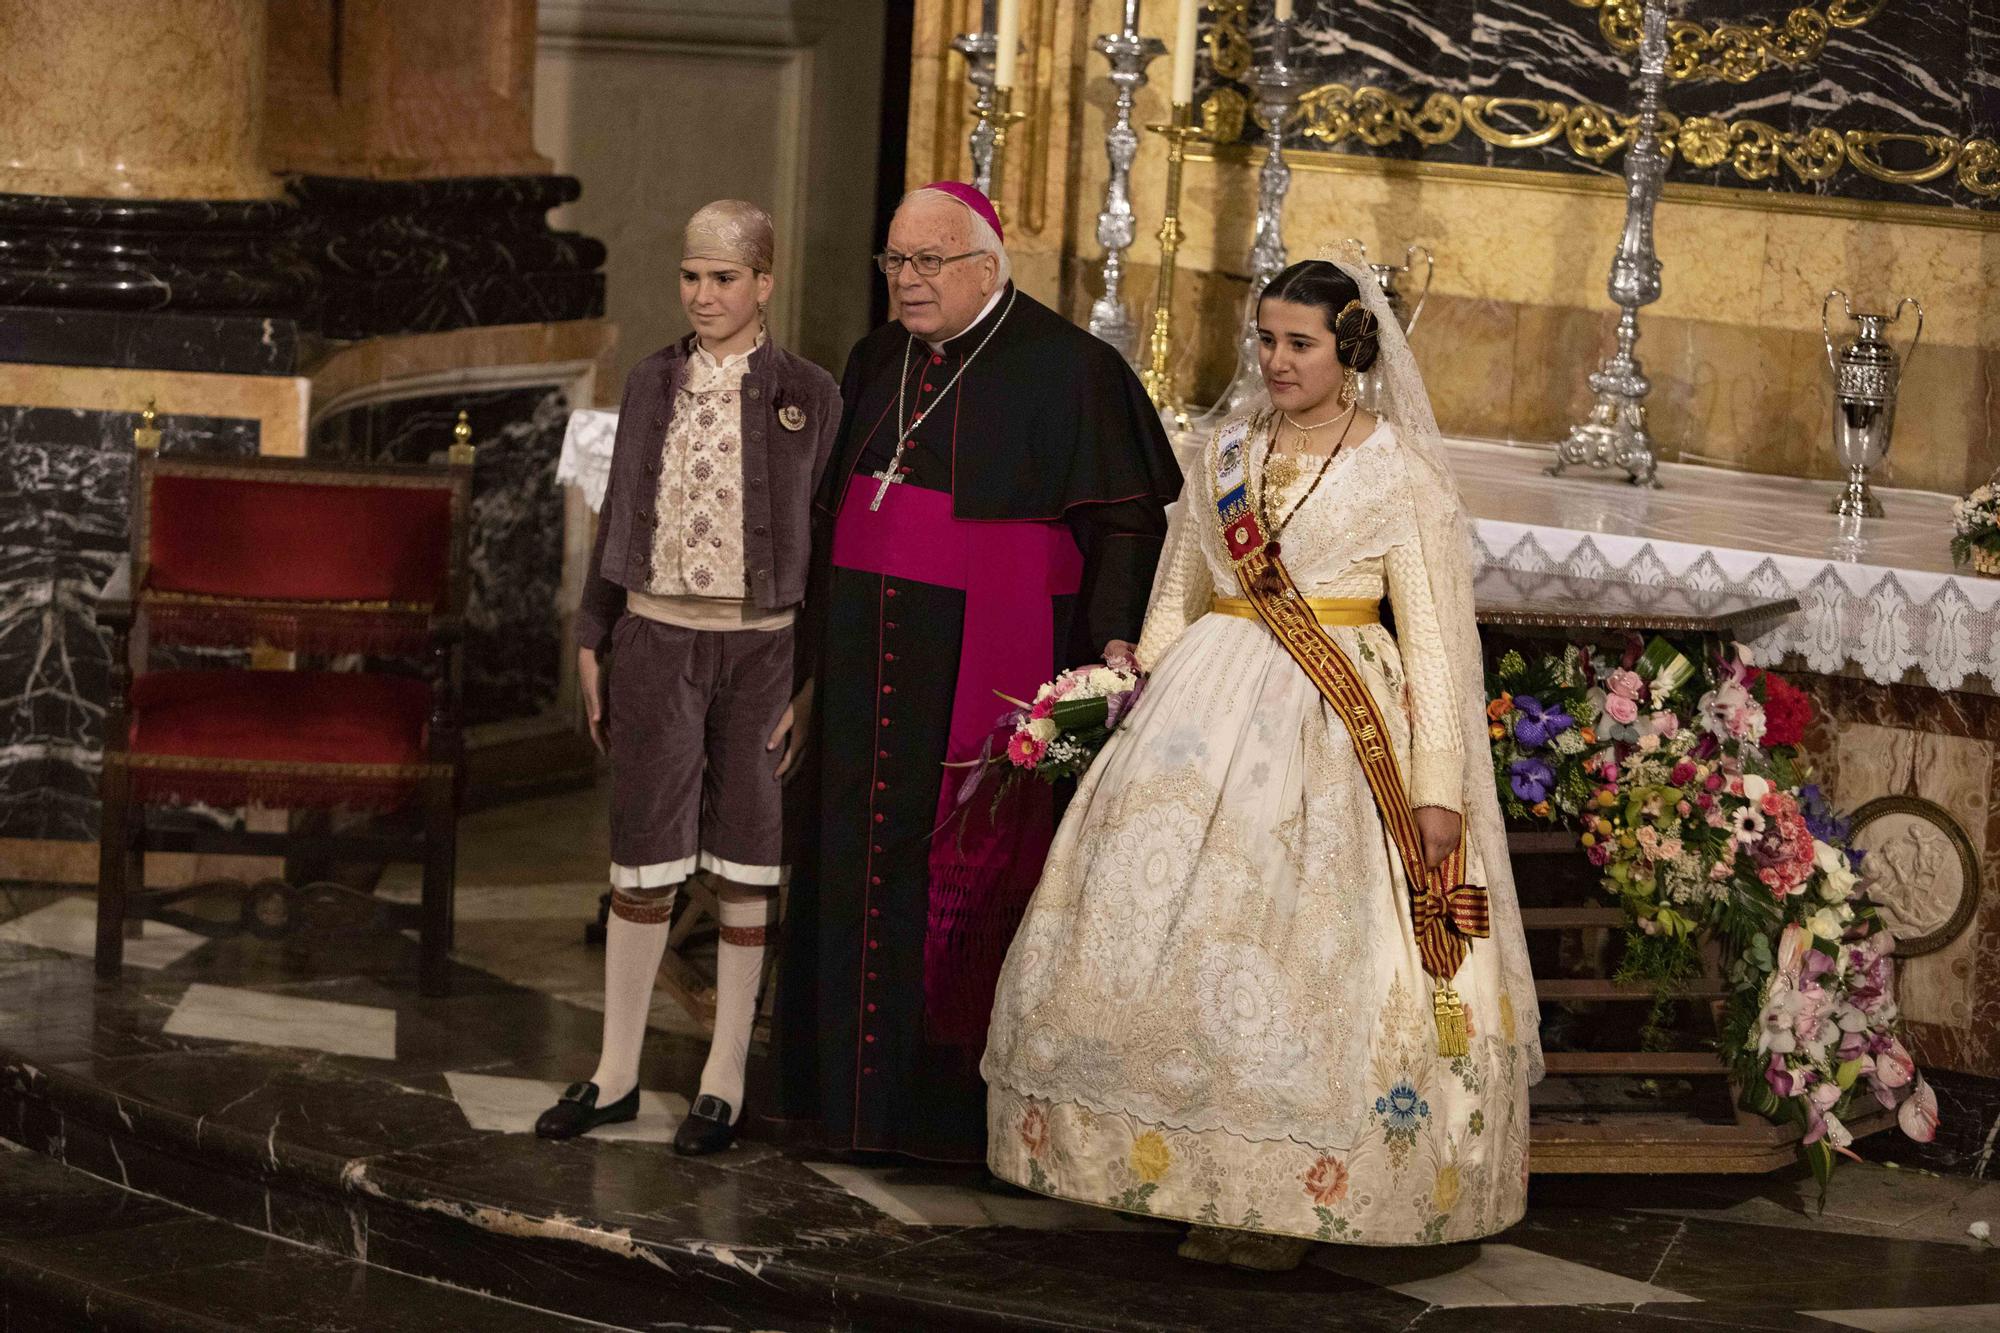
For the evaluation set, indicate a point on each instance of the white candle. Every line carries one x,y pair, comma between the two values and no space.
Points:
1284,11
1007,52
1184,48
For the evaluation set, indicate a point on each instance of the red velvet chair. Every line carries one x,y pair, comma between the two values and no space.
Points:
315,558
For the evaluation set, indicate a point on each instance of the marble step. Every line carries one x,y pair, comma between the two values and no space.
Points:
78,1253
373,1170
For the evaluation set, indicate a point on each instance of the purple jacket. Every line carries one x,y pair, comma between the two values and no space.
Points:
781,468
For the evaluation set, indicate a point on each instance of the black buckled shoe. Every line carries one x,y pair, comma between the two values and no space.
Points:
706,1129
578,1112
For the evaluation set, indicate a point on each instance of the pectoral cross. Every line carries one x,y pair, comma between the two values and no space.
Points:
888,476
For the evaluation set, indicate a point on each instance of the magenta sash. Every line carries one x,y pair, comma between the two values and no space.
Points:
982,870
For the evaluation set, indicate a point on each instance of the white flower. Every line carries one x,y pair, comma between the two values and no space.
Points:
1826,924
1837,873
1044,729
1755,788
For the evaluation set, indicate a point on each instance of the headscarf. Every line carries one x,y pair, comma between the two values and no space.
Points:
731,231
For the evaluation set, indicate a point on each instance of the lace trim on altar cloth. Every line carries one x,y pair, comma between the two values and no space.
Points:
1885,623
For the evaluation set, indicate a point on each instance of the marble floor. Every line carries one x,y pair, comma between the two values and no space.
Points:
300,1094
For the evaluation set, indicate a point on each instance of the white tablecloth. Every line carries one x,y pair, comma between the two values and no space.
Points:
1881,595
586,453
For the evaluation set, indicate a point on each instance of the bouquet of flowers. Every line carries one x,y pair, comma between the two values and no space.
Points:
1059,734
1975,530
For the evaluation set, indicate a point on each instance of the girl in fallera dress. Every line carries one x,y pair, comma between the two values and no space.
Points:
1273,981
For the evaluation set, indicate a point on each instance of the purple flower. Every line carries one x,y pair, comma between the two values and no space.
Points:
1822,820
1531,779
1536,726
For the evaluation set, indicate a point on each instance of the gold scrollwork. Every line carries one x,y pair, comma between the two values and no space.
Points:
1864,146
1481,114
1979,167
1754,150
1734,52
1229,50
1335,111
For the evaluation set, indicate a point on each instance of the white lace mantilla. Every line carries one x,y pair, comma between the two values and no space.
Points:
586,453
1881,595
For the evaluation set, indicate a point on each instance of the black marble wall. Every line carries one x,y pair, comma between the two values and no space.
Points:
248,287
513,651
64,505
1930,68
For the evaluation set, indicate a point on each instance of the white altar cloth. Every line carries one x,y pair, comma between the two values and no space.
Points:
586,453
1882,596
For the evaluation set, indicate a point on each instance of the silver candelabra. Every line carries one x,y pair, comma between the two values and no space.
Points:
1129,54
979,49
1615,433
1275,86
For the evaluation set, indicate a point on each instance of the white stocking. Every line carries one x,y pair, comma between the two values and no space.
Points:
632,953
739,967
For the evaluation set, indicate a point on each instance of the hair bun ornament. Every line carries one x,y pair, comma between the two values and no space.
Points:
1364,331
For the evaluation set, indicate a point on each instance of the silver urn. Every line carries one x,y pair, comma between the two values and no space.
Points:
1389,277
1866,372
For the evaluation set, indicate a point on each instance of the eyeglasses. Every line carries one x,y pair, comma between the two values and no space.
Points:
928,265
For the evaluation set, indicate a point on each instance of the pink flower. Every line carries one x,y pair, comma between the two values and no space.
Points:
1894,1067
1713,782
1042,708
1918,1115
1683,773
1621,710
1782,1080
1683,809
1668,723
1599,854
1626,685
1024,751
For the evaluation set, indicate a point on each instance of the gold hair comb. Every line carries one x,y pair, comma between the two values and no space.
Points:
1367,327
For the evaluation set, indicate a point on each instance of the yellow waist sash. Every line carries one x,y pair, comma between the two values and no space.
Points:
1326,610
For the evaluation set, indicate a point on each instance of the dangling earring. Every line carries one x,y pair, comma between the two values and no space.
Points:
1348,393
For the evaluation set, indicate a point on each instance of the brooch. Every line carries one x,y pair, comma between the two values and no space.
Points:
792,417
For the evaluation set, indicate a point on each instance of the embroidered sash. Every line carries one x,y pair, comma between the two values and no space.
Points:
1446,913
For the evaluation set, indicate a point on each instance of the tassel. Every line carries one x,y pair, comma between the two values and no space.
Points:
1449,1010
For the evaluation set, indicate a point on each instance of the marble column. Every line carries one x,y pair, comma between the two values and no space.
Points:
110,99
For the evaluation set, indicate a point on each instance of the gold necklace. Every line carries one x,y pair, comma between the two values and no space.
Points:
1305,432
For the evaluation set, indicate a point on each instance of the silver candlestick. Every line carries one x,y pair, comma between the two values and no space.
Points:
1615,433
1275,87
979,49
1129,54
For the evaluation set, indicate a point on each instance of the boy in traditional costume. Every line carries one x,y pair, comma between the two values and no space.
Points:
698,571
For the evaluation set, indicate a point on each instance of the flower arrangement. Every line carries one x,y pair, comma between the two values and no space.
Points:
1975,530
1692,800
